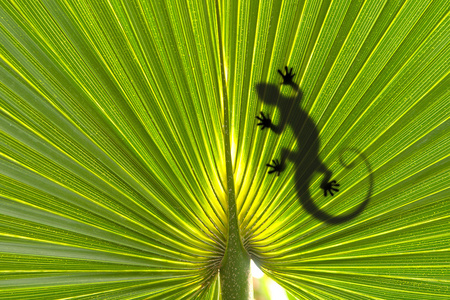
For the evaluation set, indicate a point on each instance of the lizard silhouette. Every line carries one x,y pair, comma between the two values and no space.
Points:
307,156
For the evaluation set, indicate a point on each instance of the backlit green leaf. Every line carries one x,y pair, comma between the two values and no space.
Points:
121,122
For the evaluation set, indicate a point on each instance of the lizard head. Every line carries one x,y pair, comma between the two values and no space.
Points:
268,93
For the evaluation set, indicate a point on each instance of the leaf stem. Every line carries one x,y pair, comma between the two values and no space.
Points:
235,276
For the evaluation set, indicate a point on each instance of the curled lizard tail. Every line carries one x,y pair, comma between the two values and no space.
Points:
318,213
363,205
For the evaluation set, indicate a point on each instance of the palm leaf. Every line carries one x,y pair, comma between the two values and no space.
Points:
129,142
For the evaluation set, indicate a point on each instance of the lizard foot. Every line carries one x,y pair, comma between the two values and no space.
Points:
329,187
287,78
277,167
265,121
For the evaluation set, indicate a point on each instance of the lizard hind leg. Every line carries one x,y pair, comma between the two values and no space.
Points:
328,185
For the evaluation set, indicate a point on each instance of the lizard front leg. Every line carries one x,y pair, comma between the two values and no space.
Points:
265,122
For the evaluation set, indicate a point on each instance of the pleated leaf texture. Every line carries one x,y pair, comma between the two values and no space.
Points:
112,158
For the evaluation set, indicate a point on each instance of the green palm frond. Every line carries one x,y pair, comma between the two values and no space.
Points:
129,147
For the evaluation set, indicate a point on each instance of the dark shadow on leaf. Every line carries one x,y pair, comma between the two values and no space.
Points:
305,158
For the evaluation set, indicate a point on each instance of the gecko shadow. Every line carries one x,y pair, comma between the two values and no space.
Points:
306,157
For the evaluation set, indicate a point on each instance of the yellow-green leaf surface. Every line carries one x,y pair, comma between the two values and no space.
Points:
114,131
